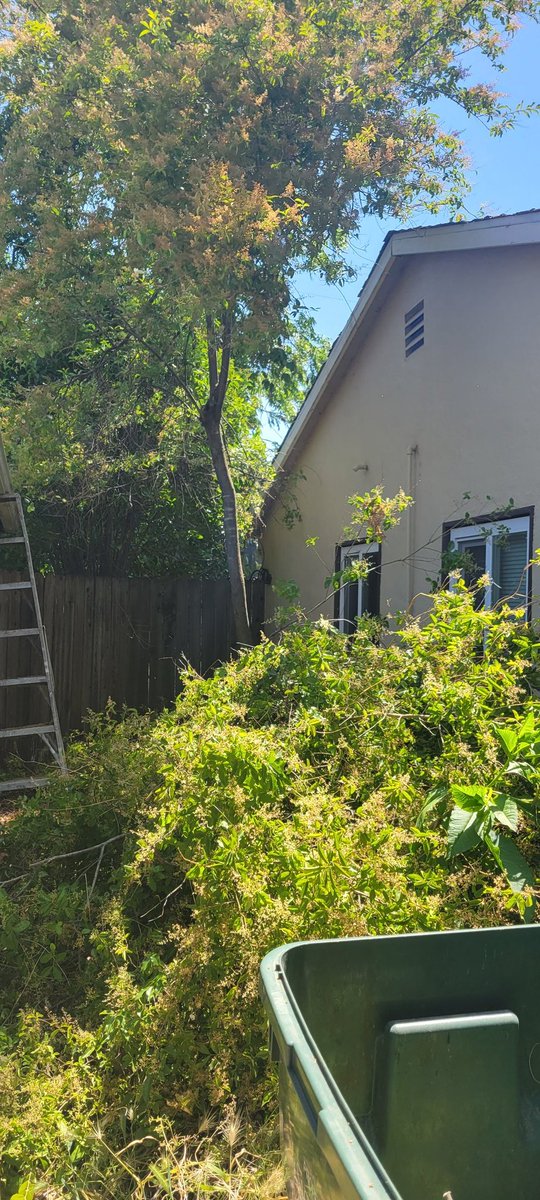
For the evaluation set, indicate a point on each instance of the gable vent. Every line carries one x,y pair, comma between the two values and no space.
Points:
414,328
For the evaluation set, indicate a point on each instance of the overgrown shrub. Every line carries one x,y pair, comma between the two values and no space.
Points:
281,799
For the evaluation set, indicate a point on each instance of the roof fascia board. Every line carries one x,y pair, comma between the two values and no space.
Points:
477,235
338,352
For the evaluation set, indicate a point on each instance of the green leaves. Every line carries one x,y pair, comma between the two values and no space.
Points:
482,800
25,1191
474,820
277,801
462,831
510,861
471,799
375,514
508,738
521,745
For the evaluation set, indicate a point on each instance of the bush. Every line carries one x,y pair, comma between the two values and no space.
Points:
281,799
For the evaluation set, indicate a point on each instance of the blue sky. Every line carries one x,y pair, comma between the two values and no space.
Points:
505,177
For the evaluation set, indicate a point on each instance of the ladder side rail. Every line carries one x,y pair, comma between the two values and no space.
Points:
55,754
47,664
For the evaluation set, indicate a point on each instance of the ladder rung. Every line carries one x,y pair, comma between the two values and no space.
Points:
8,496
11,541
20,785
19,680
27,731
15,587
9,633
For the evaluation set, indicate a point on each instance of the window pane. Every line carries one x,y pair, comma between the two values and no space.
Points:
510,557
350,608
474,565
361,598
371,590
350,597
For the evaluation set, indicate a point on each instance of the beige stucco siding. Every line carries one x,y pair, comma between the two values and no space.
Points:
468,400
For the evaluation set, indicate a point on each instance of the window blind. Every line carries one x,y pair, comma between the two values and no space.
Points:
510,559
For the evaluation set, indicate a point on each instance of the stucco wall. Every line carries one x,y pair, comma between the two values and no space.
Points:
468,400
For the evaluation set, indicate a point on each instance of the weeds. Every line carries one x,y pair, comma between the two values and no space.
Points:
280,800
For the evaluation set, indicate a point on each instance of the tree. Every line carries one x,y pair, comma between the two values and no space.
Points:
118,481
165,171
117,476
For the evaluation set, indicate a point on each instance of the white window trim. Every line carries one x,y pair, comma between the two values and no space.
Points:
355,550
489,531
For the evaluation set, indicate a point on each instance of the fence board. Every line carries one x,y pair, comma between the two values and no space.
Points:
124,639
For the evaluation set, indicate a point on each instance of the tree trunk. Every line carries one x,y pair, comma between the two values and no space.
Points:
212,426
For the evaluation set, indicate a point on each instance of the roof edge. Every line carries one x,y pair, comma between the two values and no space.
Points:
514,229
368,294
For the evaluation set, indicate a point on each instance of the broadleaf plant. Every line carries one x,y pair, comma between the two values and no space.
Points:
478,812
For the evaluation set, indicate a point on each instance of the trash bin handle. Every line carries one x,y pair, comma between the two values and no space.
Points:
333,1132
297,1080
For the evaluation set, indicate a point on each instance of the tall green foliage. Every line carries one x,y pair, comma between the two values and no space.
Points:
116,475
165,171
281,799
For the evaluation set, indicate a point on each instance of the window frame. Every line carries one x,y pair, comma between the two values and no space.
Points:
519,520
343,550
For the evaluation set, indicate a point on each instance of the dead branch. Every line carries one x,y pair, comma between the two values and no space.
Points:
44,862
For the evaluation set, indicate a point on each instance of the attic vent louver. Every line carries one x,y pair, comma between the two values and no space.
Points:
414,328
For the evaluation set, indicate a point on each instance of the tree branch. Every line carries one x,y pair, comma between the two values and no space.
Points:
44,862
435,35
226,351
212,359
136,337
181,383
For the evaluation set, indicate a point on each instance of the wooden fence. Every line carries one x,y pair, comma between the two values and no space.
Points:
120,638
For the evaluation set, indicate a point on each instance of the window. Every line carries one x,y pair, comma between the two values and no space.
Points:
360,598
500,549
414,328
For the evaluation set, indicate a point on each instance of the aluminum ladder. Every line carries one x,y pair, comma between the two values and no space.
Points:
50,734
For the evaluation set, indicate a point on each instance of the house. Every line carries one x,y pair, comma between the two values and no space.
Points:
434,387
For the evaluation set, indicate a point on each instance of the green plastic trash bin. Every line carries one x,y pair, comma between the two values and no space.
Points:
409,1066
